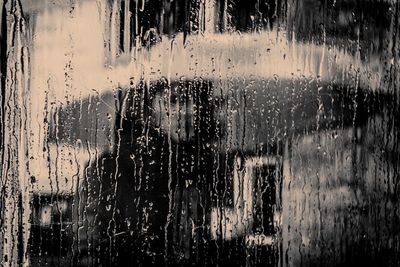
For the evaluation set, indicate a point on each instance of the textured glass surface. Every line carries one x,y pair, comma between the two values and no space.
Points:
200,133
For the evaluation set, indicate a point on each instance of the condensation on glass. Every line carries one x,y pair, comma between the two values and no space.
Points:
200,133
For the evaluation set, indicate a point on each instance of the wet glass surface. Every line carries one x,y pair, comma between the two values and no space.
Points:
200,133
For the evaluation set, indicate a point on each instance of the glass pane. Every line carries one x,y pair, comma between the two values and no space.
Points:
200,133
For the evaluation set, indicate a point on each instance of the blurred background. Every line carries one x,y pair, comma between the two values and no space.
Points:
200,133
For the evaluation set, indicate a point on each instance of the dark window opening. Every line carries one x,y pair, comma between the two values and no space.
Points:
264,199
